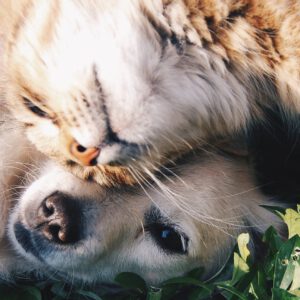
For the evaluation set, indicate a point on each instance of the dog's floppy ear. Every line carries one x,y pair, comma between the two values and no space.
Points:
274,145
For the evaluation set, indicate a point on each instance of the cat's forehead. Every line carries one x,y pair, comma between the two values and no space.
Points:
61,46
46,25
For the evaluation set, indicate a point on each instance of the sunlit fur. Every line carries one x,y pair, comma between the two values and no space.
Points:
17,166
209,197
169,75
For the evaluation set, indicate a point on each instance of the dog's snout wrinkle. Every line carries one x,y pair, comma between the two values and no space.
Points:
59,218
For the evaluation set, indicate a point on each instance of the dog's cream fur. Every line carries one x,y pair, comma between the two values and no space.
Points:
168,75
210,198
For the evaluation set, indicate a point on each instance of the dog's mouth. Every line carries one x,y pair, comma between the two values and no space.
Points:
37,250
27,242
42,254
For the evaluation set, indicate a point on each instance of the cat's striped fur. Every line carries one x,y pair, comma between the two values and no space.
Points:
145,81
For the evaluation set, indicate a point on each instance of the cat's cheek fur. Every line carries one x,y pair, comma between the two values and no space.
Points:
47,137
49,130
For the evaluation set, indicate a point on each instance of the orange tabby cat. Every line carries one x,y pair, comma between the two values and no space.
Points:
114,89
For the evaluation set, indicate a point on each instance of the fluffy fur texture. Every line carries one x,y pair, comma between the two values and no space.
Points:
145,81
211,199
206,200
17,158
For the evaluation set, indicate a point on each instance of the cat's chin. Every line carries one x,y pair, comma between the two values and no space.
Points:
107,175
142,171
116,173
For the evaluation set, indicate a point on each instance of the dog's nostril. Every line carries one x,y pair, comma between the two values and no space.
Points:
59,219
62,234
48,208
51,232
54,230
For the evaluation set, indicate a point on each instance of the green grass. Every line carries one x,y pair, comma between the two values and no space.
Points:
274,276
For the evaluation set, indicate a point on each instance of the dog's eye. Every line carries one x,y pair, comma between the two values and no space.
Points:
168,238
35,109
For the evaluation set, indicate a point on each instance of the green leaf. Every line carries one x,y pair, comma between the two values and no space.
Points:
131,281
287,261
272,242
188,281
290,217
33,293
233,291
296,278
258,286
280,294
196,273
199,294
205,289
169,292
272,239
154,294
292,220
240,268
295,292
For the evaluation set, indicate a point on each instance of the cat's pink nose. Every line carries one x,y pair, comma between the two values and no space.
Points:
86,156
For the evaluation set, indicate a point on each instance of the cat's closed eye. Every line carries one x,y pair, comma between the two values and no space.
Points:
34,108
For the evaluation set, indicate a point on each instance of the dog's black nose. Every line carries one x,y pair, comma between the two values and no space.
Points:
59,219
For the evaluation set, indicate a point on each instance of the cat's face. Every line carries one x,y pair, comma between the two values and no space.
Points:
107,86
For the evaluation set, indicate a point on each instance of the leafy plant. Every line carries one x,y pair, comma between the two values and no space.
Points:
275,276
